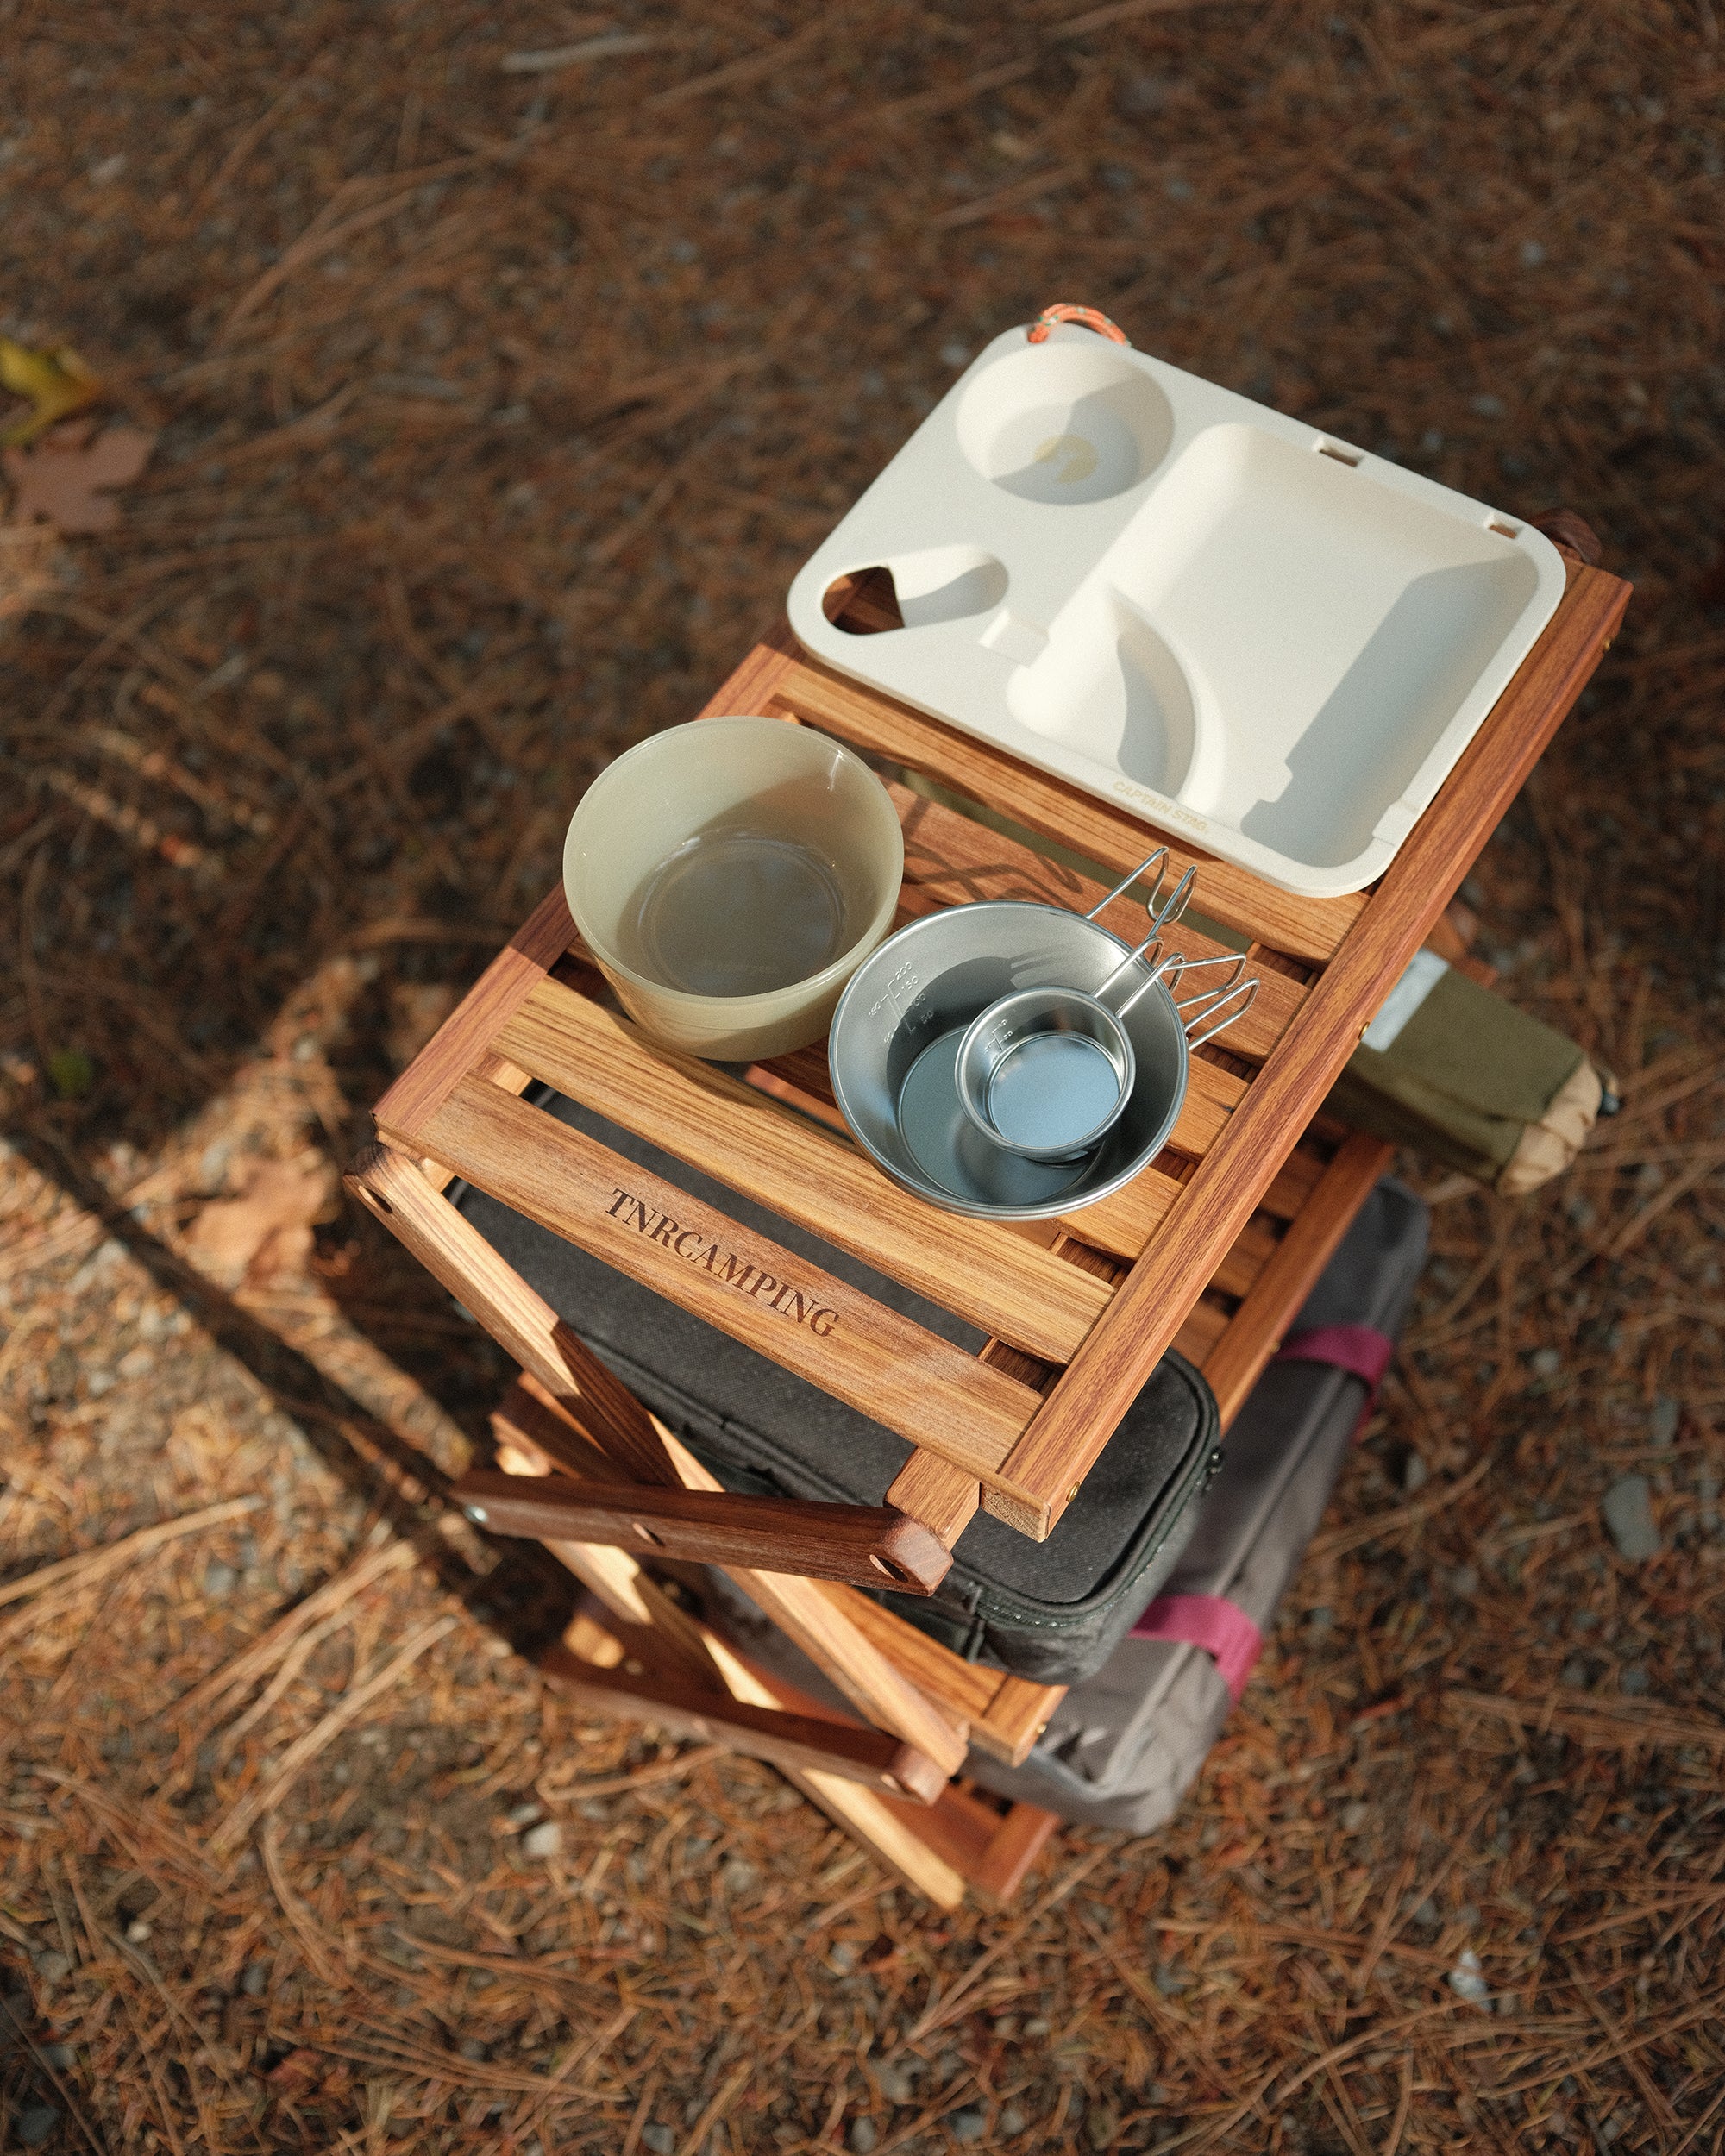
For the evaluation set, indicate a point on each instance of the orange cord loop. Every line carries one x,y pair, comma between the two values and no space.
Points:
1088,316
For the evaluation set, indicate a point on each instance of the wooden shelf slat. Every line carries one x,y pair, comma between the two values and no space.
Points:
1123,1225
1212,1096
857,1349
1201,1331
729,1130
870,1680
852,1751
867,1545
1017,1715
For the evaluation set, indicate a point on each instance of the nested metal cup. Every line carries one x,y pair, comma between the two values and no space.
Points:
1046,1072
897,1030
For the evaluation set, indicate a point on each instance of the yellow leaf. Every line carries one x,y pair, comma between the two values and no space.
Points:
57,383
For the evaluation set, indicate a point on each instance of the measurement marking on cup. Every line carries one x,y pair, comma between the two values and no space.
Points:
782,1297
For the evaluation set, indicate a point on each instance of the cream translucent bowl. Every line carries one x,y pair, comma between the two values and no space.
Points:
729,876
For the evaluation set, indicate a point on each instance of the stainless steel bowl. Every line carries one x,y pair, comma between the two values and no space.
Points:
894,1046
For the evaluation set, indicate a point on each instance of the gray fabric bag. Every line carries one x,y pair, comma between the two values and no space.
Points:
1123,1747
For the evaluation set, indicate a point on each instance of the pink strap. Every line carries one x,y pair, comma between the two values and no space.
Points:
1360,1349
1220,1628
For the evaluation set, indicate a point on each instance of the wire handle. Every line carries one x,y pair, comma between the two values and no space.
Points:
1163,915
1241,994
1131,877
1172,964
1172,959
1061,311
1160,915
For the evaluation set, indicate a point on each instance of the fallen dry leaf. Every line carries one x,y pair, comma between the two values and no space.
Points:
56,383
64,480
265,1232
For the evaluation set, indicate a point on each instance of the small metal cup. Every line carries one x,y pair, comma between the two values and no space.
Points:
1045,1073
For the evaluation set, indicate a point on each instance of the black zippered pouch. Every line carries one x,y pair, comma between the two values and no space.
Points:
1051,1611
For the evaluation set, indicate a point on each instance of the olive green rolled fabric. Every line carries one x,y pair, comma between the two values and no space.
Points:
1467,1079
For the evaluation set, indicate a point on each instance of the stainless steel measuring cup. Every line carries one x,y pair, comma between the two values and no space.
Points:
1046,1072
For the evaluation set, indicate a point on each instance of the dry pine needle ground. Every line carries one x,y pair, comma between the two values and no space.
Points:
498,399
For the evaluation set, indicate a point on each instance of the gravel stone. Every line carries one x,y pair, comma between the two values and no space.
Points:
896,2079
968,2125
543,1841
34,2123
659,2139
863,2135
1630,1518
53,1966
1467,1982
1663,1421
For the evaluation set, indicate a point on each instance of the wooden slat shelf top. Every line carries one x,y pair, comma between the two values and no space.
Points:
1077,1312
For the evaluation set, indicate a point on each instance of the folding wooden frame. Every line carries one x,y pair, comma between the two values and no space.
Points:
1211,1250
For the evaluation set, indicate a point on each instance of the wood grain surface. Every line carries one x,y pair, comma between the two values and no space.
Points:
743,1137
865,1546
465,1036
1290,1273
522,1322
805,1609
945,1498
1017,1715
849,1751
864,1354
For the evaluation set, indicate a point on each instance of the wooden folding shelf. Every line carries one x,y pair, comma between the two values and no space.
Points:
1212,1248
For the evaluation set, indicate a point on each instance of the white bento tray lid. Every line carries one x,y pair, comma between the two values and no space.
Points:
1233,625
